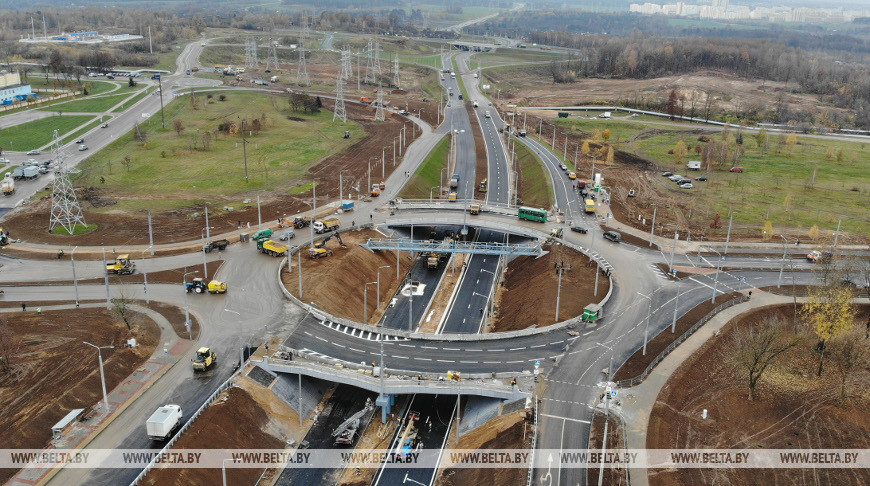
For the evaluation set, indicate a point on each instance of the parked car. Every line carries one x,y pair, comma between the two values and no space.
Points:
687,185
579,229
736,169
667,174
684,181
613,236
701,179
676,177
34,152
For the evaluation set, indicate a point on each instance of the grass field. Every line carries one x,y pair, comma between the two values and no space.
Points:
78,133
38,133
459,79
511,56
133,100
177,168
90,104
777,184
428,176
535,189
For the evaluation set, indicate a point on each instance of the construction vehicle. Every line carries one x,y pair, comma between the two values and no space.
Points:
817,256
556,233
434,257
383,185
263,233
121,266
345,434
474,209
376,190
4,237
325,225
8,185
451,197
297,222
271,247
199,286
205,359
454,181
482,186
217,287
590,206
163,422
409,439
216,245
319,253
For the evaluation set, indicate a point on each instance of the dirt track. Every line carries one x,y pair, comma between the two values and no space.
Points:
794,410
54,372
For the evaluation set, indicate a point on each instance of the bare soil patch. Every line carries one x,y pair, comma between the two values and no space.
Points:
219,426
794,410
511,431
530,284
53,372
614,475
116,229
481,161
442,295
335,283
637,362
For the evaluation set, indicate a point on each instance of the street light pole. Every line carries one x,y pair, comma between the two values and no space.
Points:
224,467
187,323
144,274
606,413
782,264
241,338
102,375
75,280
648,316
160,88
716,280
560,269
673,250
204,265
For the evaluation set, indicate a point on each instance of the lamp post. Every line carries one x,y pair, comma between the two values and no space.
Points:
379,284
560,269
441,181
716,280
431,190
648,315
782,264
224,469
204,265
606,412
242,347
187,304
485,306
144,274
75,280
366,301
102,375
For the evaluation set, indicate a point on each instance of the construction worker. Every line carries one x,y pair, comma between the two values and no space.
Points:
59,254
23,306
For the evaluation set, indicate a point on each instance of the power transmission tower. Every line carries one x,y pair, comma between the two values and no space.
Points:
346,66
379,111
396,78
250,53
272,60
65,209
340,111
377,61
302,78
370,67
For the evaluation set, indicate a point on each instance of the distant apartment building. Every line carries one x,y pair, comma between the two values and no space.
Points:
722,10
12,89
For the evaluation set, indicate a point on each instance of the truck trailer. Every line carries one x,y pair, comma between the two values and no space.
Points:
324,225
163,422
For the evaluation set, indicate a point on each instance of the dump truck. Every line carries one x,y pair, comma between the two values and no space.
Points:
325,225
483,186
163,422
376,190
434,257
318,253
346,432
271,248
365,100
205,359
454,181
216,245
121,266
8,185
347,206
590,206
474,209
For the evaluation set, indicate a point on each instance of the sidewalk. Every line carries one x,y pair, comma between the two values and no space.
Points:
638,401
80,433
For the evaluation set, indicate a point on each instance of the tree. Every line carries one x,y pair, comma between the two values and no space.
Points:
790,142
585,149
127,162
605,134
850,353
610,154
121,306
767,230
757,346
829,313
762,139
829,154
130,82
841,154
814,232
672,107
178,126
717,222
680,152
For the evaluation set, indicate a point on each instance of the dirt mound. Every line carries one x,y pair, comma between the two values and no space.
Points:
528,296
53,372
335,283
219,427
794,410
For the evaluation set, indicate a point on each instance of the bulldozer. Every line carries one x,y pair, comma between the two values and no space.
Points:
204,359
121,266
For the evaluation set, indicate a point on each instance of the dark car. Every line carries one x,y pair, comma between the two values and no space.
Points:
701,179
109,76
81,140
613,236
579,229
104,125
667,174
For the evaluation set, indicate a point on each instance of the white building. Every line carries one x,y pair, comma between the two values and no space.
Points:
11,88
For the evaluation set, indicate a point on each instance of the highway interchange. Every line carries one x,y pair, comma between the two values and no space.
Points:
572,364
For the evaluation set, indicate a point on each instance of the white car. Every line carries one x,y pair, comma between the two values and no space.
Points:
687,185
486,115
675,177
82,148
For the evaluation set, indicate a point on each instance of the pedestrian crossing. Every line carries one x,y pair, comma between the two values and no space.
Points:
659,272
361,334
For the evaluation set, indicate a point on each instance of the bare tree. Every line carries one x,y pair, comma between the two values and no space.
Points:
757,346
850,354
178,126
121,306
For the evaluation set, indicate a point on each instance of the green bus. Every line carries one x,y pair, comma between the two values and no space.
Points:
533,214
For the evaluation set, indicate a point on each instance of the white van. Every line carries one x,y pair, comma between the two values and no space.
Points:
82,148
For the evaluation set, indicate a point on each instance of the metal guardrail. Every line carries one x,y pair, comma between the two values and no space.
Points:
471,247
533,443
637,379
184,427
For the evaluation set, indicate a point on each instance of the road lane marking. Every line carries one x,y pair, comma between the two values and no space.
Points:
563,418
516,349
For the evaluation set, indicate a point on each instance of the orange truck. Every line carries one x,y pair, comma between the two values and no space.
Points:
365,100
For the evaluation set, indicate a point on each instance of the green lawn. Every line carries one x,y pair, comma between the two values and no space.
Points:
534,187
90,105
777,182
78,133
177,168
38,133
428,176
459,79
133,100
512,56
